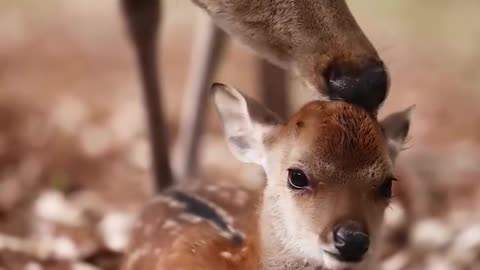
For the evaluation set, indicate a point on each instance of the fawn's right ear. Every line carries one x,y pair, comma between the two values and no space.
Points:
396,127
246,123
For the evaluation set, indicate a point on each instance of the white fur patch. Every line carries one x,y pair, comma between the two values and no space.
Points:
169,224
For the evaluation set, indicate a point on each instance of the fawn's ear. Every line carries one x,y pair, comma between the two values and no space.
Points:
246,123
396,127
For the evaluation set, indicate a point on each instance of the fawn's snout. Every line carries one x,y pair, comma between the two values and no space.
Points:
365,86
351,241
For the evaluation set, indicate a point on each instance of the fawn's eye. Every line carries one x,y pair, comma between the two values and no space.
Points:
385,190
297,179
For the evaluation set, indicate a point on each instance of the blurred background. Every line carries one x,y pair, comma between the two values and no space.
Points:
74,157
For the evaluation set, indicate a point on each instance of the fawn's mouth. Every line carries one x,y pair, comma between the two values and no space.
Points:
343,259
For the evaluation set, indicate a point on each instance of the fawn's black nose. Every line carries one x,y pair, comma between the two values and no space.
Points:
351,242
366,87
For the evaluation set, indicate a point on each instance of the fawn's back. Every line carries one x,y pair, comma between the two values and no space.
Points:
203,226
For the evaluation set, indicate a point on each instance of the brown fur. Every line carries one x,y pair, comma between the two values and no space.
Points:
306,36
344,135
191,245
343,151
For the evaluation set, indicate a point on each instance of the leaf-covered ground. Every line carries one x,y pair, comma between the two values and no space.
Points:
74,157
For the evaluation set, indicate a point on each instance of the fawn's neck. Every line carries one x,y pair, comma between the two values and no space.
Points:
274,254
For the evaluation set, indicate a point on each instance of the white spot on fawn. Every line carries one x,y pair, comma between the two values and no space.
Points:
190,218
168,201
135,256
227,255
240,198
169,224
212,188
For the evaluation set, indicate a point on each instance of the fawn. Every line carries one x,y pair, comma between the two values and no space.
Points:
329,172
319,41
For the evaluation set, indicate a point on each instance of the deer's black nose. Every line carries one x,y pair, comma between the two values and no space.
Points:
366,87
351,242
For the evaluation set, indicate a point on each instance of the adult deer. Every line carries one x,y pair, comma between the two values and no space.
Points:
329,172
318,40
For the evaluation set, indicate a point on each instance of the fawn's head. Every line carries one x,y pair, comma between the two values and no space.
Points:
318,39
329,172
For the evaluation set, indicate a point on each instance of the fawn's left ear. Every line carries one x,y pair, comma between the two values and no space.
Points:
396,127
247,124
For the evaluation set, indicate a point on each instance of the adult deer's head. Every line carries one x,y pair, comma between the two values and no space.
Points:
319,40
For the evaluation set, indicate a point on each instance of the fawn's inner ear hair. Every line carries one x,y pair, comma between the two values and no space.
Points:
247,124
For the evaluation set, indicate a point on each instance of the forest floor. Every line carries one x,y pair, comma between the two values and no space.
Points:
74,158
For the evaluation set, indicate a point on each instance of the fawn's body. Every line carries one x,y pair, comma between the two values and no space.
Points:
180,239
329,174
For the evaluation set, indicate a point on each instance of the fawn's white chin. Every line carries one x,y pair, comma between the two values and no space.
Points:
332,263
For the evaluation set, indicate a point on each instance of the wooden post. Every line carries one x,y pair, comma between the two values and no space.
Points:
207,49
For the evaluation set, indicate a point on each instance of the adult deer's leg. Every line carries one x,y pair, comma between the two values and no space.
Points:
206,53
274,87
143,18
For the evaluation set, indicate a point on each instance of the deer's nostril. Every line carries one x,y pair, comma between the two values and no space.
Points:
367,87
351,244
